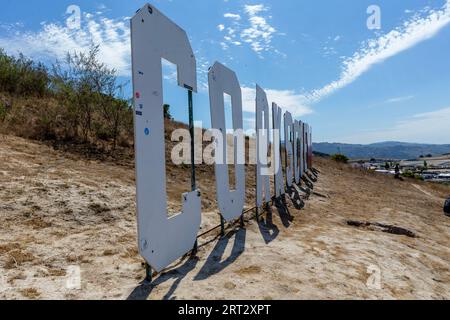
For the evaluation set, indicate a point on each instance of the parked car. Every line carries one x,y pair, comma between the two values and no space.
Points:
447,207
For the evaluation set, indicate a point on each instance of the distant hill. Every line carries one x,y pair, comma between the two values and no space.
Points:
383,150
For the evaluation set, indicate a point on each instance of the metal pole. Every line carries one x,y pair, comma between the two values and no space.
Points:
148,273
192,131
222,226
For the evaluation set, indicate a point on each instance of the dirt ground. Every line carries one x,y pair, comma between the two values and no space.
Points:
62,216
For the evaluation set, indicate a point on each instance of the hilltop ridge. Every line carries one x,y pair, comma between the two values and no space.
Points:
383,150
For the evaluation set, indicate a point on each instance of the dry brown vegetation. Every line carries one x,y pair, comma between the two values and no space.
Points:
30,293
76,102
60,209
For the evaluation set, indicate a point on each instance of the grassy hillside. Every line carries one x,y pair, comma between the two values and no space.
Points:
62,209
78,101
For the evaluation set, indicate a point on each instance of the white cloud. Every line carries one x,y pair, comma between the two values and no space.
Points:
203,65
224,45
232,16
419,28
54,40
328,51
255,31
260,33
231,31
289,100
221,27
254,9
169,71
399,99
430,127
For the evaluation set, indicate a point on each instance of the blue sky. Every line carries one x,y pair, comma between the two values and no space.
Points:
317,59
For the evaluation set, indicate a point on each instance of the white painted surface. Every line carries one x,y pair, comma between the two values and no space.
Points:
223,80
303,148
278,174
262,147
306,147
289,145
297,137
161,240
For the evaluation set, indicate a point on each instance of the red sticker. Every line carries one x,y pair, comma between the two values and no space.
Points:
138,95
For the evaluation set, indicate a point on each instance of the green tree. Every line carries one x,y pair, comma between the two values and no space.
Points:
22,76
167,114
87,83
89,89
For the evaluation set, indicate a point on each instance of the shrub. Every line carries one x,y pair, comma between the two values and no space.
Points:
88,89
83,83
22,76
339,158
83,100
3,112
412,175
408,174
167,114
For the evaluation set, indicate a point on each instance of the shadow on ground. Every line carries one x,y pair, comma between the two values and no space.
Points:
268,229
143,291
295,197
216,262
283,211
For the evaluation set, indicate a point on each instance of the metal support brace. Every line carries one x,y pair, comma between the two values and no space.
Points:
148,273
222,226
192,132
195,249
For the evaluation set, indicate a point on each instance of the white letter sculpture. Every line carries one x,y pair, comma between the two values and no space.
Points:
310,149
288,146
223,80
297,164
306,146
262,147
154,36
302,149
278,175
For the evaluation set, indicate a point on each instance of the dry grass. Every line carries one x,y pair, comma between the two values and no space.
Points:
62,209
249,270
56,272
6,248
30,293
17,257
